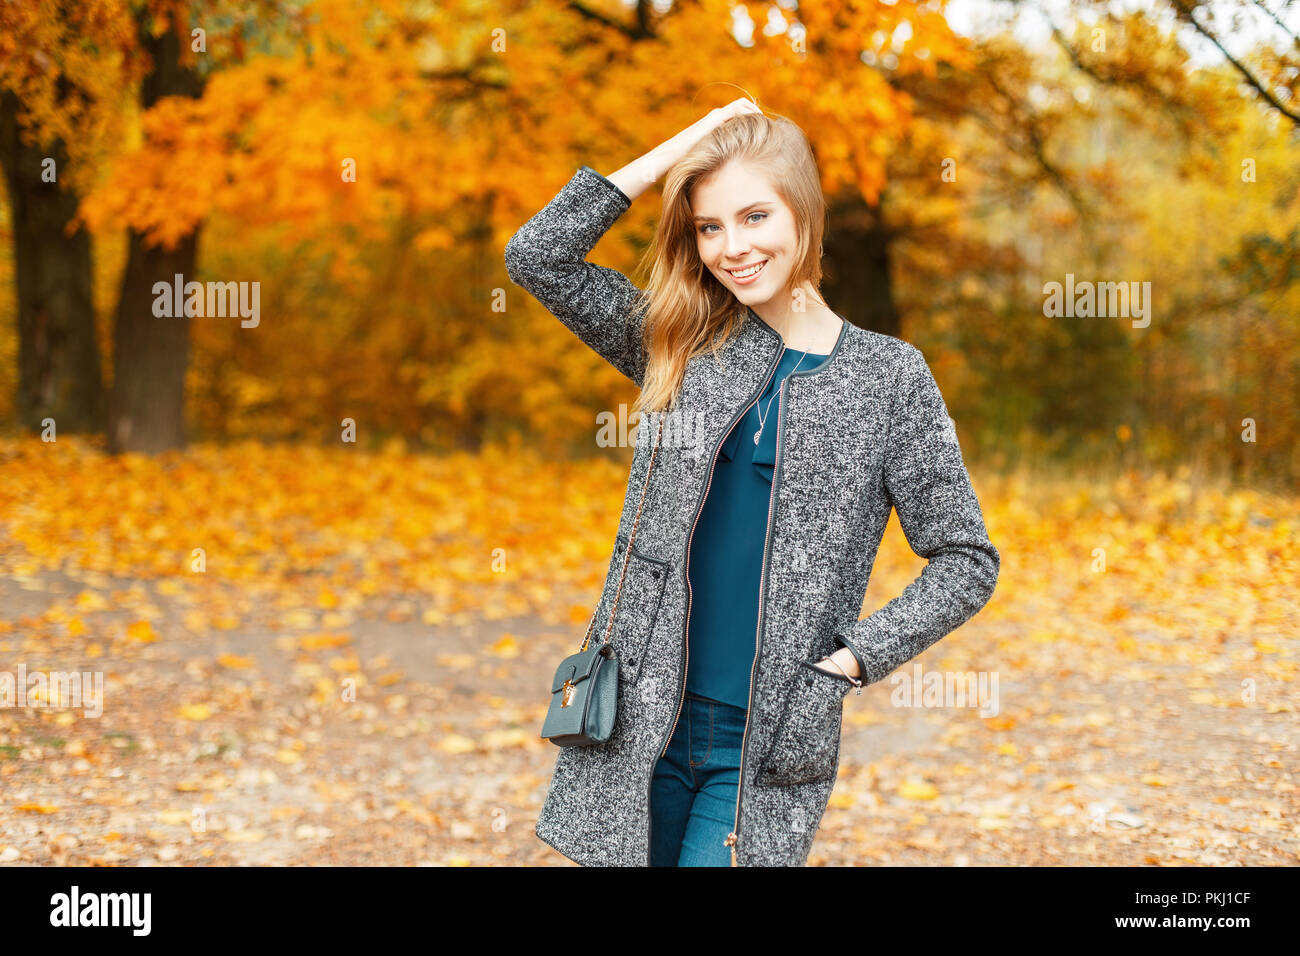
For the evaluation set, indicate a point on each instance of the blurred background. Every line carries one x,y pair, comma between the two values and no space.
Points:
324,547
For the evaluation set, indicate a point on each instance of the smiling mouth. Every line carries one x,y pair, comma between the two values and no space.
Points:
748,272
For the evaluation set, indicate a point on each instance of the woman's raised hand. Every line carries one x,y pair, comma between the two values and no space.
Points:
637,176
716,117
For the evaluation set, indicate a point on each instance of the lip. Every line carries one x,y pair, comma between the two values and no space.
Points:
749,279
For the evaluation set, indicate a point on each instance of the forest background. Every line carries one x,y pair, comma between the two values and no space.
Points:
240,521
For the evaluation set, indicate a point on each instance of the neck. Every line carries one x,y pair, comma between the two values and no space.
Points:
814,328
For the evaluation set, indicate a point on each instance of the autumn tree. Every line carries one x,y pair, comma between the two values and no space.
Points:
62,68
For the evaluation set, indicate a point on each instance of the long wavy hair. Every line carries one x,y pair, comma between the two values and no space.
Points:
688,311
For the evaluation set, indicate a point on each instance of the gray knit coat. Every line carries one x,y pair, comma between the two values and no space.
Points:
864,431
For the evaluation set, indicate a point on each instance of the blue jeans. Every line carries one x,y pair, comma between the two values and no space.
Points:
693,792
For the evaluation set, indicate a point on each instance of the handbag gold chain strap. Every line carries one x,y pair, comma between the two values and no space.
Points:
630,538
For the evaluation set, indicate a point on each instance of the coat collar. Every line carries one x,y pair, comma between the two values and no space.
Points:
753,323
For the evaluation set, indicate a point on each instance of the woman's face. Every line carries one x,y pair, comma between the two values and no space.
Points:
745,234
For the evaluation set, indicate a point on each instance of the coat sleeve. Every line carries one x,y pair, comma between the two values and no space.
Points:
547,257
928,485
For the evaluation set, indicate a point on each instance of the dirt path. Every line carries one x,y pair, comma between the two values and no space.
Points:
438,762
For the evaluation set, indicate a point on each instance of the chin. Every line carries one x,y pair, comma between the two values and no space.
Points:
755,297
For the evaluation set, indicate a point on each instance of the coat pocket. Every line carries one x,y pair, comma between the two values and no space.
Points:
638,607
806,743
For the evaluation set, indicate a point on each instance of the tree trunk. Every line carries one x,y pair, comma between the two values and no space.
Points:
151,353
58,353
857,267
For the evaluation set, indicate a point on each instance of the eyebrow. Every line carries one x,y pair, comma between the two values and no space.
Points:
761,202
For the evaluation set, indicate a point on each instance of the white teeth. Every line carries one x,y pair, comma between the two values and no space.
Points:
748,272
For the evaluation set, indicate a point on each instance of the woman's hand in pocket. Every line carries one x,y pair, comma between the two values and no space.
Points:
848,664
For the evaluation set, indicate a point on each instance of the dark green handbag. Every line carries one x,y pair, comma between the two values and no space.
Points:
584,692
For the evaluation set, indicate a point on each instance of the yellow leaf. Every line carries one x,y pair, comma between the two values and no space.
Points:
90,601
195,711
456,661
514,737
316,642
37,808
457,744
505,646
235,662
913,789
141,631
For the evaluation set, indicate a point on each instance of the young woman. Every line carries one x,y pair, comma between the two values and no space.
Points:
785,434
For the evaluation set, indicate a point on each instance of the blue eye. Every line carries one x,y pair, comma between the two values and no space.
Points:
704,228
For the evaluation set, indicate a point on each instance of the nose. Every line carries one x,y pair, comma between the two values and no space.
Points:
737,248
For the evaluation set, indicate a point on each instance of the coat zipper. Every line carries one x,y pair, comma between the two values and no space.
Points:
734,836
686,623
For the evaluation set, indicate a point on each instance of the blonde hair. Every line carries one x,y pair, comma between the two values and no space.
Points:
688,311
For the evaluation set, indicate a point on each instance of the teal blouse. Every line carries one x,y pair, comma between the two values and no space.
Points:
726,549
